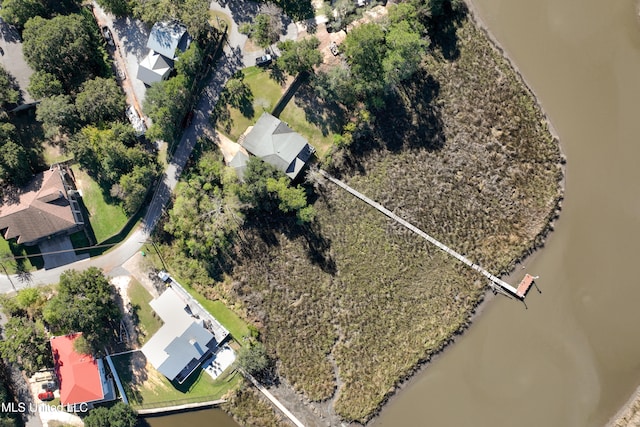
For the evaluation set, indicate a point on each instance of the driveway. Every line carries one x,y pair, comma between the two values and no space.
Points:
245,11
12,59
59,251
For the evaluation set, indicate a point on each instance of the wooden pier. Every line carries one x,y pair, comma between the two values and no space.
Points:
496,283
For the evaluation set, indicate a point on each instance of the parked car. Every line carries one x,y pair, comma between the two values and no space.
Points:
106,33
264,60
50,386
46,396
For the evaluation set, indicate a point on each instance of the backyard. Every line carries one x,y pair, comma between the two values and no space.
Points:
146,322
145,387
305,113
107,219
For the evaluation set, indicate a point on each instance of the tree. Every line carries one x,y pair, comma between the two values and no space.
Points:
86,302
62,46
300,56
365,49
14,163
43,84
253,359
58,115
195,15
291,199
9,94
100,100
344,14
117,7
266,29
18,12
205,215
405,49
166,103
119,415
134,186
30,301
26,343
119,164
189,62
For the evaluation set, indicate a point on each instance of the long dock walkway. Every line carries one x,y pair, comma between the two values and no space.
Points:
273,400
496,281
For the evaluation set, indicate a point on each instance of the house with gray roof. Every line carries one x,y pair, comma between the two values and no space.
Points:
271,140
182,343
165,40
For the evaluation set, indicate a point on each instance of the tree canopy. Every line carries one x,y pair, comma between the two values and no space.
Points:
193,13
18,12
9,93
253,359
119,415
266,27
121,166
117,7
266,189
43,84
58,115
14,159
86,302
26,343
299,56
205,213
62,46
100,100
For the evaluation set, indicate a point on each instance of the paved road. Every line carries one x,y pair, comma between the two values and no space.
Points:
223,70
234,58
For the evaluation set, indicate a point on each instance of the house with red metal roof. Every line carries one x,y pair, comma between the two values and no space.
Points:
81,378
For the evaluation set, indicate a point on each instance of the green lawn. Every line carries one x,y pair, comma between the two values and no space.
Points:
227,318
148,323
106,219
219,20
264,95
314,118
31,263
146,387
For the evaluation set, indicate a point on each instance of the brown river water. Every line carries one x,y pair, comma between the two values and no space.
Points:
573,357
203,418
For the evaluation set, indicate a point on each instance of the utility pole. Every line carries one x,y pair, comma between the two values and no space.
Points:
8,277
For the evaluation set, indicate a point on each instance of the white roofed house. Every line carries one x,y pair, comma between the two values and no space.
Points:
165,40
182,343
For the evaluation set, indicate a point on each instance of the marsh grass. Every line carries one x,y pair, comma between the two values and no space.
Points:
465,155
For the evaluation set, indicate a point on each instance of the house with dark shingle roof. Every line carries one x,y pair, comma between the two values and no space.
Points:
271,140
165,39
45,207
81,378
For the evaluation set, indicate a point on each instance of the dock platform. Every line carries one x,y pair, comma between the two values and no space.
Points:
525,285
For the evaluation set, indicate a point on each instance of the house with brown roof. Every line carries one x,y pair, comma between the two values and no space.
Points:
46,207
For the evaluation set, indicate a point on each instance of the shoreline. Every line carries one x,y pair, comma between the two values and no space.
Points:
629,414
526,257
